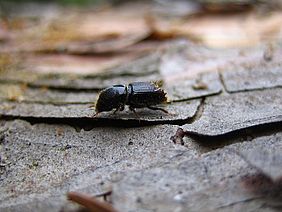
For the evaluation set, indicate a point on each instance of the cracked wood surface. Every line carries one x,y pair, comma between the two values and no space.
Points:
225,114
218,149
227,182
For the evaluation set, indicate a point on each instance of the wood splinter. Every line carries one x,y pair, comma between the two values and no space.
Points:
90,203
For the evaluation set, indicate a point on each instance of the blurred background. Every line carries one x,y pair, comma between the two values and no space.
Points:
215,23
88,37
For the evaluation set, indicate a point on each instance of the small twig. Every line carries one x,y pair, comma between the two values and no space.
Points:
90,203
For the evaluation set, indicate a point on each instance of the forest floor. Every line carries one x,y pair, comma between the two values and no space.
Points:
218,149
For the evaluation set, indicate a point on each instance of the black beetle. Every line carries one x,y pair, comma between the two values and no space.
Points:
135,95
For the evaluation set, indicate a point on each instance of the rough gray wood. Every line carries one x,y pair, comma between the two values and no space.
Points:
258,74
17,92
216,181
226,113
204,84
40,162
268,160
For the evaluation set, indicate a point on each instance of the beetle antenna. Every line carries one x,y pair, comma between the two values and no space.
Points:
135,113
158,108
158,83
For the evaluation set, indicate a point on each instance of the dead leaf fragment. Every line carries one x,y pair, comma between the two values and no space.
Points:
75,64
222,30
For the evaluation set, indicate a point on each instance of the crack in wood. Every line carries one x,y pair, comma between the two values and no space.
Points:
237,136
224,88
90,123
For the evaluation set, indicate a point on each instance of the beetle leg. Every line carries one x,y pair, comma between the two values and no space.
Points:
96,114
120,108
157,108
116,110
135,113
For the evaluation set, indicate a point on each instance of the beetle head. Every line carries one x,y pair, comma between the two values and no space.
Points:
110,98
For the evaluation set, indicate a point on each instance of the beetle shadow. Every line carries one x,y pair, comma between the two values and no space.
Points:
140,114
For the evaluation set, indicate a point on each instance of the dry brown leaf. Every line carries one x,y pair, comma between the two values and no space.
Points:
75,64
223,30
84,31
